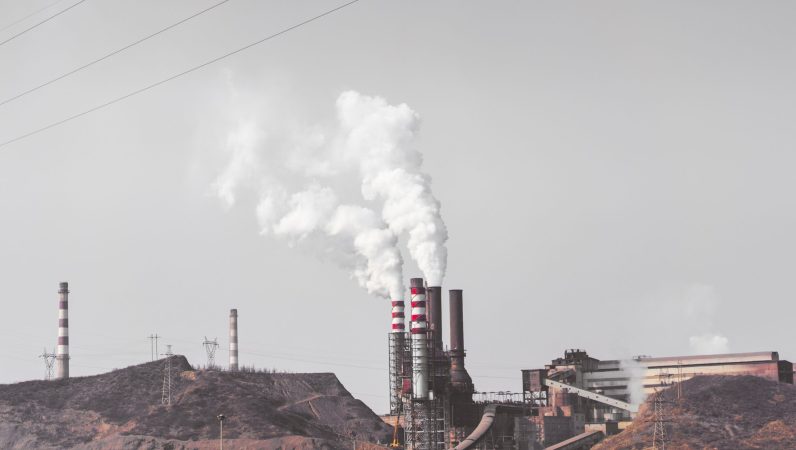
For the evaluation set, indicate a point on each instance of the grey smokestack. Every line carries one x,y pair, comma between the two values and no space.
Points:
459,376
62,354
434,294
233,340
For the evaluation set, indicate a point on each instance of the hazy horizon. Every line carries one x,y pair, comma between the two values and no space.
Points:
613,176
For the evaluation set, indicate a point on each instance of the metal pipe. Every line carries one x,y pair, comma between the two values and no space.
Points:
419,340
62,354
233,340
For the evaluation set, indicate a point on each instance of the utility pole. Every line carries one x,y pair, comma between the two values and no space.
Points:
49,362
210,348
165,397
153,346
221,419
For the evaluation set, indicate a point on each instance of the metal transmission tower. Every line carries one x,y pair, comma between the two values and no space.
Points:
210,348
659,433
165,397
49,362
153,346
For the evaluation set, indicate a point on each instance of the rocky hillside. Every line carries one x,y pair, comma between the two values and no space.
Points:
122,410
718,412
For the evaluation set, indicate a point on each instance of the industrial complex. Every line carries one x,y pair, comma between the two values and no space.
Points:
570,403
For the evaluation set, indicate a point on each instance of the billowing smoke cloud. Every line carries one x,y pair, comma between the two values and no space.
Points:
293,173
378,137
701,306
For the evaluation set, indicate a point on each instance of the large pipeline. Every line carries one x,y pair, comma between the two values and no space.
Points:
487,420
486,423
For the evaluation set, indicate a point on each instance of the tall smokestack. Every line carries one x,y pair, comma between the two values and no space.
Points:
435,317
459,376
62,354
396,349
419,340
233,340
398,325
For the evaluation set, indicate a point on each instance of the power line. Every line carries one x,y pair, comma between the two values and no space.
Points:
51,4
39,23
115,52
186,72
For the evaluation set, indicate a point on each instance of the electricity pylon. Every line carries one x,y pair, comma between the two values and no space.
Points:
210,348
165,397
49,361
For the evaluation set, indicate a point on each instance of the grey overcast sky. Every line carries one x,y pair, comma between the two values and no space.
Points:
615,176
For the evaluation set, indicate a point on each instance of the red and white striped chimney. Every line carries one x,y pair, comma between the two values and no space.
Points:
419,339
62,354
398,325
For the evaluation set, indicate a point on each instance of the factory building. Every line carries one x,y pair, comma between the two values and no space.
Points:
570,403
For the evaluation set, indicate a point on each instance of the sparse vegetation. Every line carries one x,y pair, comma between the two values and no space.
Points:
125,405
721,412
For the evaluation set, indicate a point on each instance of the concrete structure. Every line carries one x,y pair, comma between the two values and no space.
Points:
397,355
233,340
62,353
434,298
419,340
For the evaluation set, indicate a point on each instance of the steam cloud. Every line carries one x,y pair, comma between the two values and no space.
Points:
701,306
636,373
374,141
378,137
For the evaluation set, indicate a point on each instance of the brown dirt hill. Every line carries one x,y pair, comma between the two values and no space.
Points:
122,409
718,412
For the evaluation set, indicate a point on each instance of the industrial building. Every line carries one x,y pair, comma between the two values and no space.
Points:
570,403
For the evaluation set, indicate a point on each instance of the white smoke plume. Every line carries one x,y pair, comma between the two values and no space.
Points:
709,344
636,373
378,137
313,218
372,139
701,307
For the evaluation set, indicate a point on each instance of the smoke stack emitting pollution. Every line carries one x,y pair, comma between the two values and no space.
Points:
371,140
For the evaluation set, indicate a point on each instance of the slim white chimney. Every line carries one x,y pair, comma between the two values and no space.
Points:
233,340
62,354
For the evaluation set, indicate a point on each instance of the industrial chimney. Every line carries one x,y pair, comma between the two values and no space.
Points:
419,340
233,340
460,379
62,354
435,318
398,325
396,350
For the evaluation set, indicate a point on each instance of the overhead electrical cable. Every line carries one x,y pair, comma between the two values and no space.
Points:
42,22
51,4
89,64
183,73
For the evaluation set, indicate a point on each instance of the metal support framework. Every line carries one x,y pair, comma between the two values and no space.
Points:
399,359
610,401
210,349
49,362
427,420
659,431
165,397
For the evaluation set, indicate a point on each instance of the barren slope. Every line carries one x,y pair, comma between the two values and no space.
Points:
122,409
718,412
